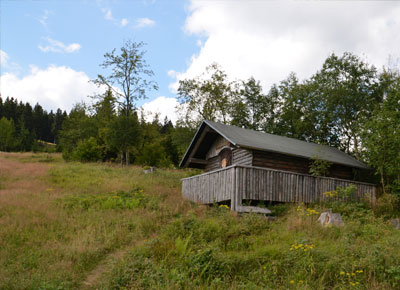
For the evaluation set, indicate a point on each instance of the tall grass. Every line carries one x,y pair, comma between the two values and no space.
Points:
64,224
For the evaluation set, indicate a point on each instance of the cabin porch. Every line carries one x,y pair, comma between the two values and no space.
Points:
236,183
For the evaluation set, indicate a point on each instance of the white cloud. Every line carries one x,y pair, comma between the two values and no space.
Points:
7,65
269,39
144,22
163,106
124,22
3,58
58,46
43,18
108,16
53,87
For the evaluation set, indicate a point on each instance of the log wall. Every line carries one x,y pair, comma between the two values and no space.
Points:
296,164
213,163
238,182
242,156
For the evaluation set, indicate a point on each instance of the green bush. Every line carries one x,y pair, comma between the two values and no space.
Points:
388,206
88,151
114,200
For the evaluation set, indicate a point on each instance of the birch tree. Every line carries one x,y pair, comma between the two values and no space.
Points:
129,80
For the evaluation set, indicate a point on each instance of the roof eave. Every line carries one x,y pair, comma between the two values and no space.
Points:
361,166
184,160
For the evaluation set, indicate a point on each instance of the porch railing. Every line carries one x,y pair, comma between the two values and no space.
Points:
238,182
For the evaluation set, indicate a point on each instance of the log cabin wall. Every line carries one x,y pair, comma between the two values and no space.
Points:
242,157
212,156
246,157
213,163
280,162
296,164
341,171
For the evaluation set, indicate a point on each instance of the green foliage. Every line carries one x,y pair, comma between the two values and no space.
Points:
381,137
153,155
72,226
76,128
88,151
279,209
388,206
208,96
218,251
319,167
134,198
130,72
254,110
7,131
31,123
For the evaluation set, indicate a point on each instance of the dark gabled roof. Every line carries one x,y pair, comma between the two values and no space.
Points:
251,139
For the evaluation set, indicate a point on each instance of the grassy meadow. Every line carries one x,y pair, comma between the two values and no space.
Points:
100,226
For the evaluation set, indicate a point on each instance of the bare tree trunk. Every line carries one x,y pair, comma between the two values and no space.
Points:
127,158
122,158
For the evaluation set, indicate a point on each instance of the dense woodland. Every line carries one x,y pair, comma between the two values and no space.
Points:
348,103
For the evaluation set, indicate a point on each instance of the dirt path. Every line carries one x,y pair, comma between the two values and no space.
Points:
103,268
94,278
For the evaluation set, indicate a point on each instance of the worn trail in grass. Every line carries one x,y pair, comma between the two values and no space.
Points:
48,242
99,226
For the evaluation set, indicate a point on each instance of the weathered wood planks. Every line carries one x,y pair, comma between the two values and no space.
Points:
238,182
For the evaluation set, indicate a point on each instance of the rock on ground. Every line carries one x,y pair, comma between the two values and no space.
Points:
328,218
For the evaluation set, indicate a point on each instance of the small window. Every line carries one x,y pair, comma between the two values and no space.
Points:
226,157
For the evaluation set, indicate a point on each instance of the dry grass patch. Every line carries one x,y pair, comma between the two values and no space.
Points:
47,245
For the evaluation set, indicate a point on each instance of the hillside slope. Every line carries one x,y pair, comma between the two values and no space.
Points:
99,226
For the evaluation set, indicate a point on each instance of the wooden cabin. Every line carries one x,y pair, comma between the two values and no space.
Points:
242,164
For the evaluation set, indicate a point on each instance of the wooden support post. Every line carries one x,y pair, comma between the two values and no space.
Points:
234,191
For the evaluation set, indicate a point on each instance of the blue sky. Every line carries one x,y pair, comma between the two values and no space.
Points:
50,49
97,27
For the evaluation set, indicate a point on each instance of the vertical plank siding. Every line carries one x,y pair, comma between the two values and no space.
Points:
238,182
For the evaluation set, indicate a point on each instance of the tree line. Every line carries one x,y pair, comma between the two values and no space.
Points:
348,104
21,125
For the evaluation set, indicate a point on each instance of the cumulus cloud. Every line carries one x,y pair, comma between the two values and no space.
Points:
58,46
163,106
269,39
53,87
144,22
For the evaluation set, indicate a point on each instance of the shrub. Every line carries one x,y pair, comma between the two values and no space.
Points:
388,206
114,200
319,167
88,151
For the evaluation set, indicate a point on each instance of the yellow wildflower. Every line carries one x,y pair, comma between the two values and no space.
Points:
291,281
342,273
